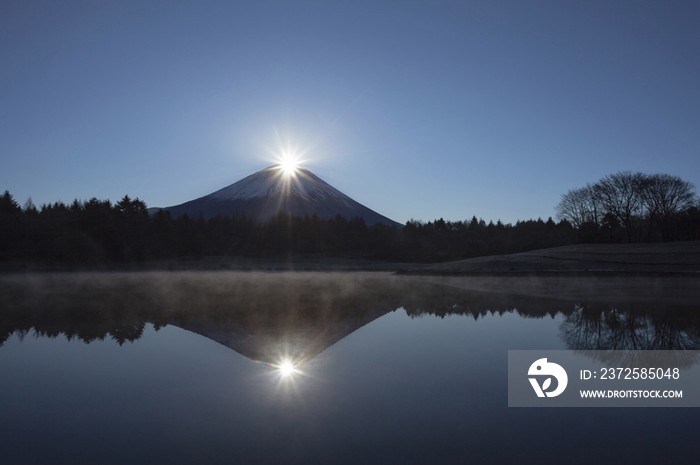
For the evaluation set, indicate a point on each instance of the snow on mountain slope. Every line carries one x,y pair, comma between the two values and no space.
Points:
269,191
273,181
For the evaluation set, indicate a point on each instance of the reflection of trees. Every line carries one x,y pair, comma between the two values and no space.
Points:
589,328
119,306
236,308
76,325
618,333
272,306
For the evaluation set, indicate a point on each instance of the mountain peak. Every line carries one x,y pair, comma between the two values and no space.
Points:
265,193
275,180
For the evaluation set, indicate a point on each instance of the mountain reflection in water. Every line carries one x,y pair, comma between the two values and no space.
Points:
267,317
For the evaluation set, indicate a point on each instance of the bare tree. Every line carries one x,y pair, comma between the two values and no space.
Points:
578,206
629,200
666,197
620,194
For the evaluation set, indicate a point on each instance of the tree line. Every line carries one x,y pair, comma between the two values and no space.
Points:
99,231
633,207
624,207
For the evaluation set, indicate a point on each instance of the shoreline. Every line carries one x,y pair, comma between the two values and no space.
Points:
580,260
550,273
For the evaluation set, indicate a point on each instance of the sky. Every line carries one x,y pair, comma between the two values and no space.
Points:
416,109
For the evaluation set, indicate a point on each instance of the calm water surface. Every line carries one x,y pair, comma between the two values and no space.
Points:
184,368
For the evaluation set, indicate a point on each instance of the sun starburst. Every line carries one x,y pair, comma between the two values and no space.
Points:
288,155
287,369
289,165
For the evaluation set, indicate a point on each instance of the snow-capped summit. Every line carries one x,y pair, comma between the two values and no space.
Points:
274,189
274,180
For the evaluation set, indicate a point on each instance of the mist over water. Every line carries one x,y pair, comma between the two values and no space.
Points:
184,367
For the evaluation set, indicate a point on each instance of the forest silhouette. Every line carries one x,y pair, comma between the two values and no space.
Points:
625,207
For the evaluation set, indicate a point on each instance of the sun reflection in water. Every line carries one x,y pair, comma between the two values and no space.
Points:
286,369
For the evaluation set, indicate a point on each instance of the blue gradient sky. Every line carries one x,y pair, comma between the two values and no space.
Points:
415,109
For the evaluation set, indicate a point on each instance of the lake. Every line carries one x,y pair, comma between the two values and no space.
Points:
246,367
